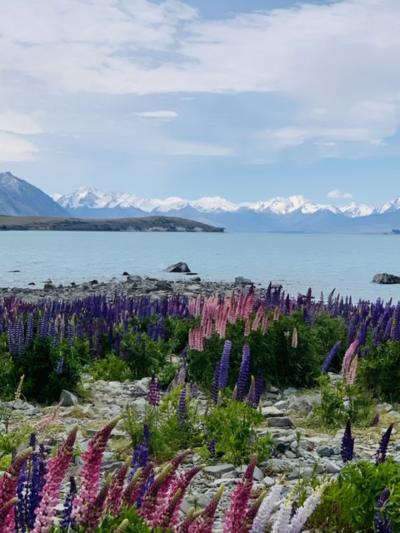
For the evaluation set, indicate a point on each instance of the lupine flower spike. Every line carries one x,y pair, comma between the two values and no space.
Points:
239,501
266,509
383,446
347,449
381,521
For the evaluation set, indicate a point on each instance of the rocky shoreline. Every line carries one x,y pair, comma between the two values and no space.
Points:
189,286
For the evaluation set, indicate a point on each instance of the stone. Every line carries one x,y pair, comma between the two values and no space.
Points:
327,466
280,422
257,475
218,470
240,280
31,283
163,285
49,286
179,268
386,279
67,399
271,411
325,451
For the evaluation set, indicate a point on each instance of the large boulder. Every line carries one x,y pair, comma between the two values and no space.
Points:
386,279
179,268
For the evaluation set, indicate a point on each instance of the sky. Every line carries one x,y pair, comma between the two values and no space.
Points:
245,99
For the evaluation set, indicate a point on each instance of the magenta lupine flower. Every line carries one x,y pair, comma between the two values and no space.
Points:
56,469
169,517
348,357
154,392
115,493
93,512
383,446
137,485
204,522
376,420
247,521
90,472
347,449
239,501
8,489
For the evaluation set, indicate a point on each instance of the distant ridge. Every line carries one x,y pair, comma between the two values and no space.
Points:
20,198
292,214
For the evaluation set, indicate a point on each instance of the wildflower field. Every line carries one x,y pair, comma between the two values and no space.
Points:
212,363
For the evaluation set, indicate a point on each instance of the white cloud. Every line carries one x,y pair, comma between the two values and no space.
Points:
14,148
18,123
197,149
161,114
334,62
337,194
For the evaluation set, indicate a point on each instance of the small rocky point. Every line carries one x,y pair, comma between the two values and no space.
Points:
386,279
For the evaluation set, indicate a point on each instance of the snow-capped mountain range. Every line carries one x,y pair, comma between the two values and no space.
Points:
91,198
291,214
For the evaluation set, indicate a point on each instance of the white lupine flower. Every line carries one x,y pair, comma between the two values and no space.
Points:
265,510
281,524
304,512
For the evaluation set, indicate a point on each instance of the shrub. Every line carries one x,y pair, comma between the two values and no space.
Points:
232,427
341,402
110,368
349,503
272,355
143,355
379,371
48,369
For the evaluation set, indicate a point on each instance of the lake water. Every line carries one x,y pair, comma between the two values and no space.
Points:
298,261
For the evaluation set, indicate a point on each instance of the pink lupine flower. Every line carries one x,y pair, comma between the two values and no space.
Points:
8,487
350,377
348,357
56,470
180,485
90,472
251,514
93,512
137,485
204,522
114,497
239,501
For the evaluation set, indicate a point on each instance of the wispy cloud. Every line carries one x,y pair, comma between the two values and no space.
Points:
14,148
337,194
197,149
161,114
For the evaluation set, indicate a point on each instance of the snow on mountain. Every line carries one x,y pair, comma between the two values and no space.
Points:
87,197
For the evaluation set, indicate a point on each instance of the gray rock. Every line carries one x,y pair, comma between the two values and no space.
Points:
180,268
386,279
68,399
240,280
325,451
327,466
217,471
271,411
280,422
257,475
49,286
163,285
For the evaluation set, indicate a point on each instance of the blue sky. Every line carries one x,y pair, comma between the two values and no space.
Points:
246,99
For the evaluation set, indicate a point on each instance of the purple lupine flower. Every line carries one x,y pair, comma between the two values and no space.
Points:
212,448
381,522
141,453
67,521
383,446
244,373
347,449
224,366
330,357
154,392
182,408
215,381
259,390
375,420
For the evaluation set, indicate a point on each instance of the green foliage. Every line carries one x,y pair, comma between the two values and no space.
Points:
168,434
7,385
143,355
167,374
379,371
232,425
110,368
44,380
273,354
111,524
341,402
12,436
349,502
